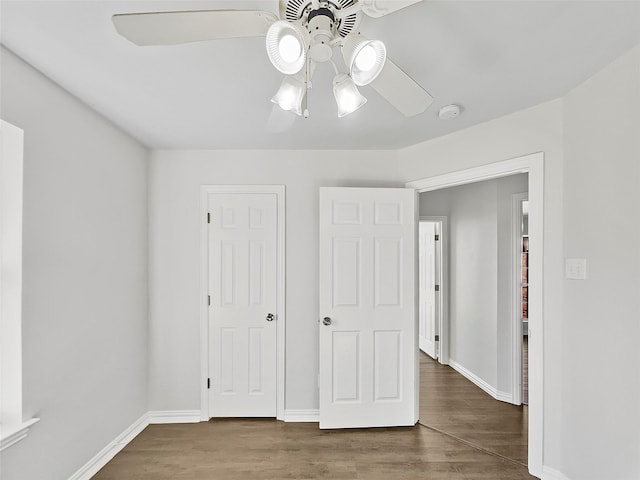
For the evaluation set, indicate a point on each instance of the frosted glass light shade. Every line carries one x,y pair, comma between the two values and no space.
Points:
287,46
347,95
364,58
290,95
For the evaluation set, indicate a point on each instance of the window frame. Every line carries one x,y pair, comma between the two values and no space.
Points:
12,426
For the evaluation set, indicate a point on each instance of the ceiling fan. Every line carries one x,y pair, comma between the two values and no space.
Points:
306,33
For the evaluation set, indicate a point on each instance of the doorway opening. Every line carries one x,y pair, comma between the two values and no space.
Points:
520,224
533,166
432,278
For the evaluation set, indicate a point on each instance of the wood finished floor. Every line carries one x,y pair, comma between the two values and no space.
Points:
234,449
452,404
237,449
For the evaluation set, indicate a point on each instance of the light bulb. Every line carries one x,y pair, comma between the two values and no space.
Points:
288,98
366,58
286,46
290,95
347,95
349,101
289,48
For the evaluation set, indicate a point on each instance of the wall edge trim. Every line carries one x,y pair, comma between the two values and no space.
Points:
549,473
473,378
305,415
103,457
173,416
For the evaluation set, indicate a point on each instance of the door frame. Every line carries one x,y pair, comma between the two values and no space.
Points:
443,310
533,164
516,295
279,192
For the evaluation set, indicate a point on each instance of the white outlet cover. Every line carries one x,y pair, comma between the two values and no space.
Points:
576,268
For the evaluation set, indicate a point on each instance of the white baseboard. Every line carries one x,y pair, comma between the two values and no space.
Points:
504,396
549,473
472,377
12,434
311,415
174,416
107,453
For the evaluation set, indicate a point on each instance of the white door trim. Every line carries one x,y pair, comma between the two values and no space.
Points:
533,164
516,295
279,192
443,311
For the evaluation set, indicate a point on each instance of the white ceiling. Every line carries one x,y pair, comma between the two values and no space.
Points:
492,58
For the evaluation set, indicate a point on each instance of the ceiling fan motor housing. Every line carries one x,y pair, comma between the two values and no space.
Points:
296,11
321,29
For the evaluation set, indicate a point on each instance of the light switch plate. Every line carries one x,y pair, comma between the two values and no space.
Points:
576,268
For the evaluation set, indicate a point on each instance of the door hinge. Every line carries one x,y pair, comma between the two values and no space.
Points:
208,217
437,288
209,300
208,383
437,237
437,338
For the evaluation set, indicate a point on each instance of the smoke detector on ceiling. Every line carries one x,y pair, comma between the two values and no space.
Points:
449,112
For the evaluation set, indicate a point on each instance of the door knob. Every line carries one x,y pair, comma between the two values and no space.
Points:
326,321
270,317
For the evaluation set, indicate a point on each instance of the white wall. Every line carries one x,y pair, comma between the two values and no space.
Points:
479,220
532,130
602,321
175,179
84,273
473,297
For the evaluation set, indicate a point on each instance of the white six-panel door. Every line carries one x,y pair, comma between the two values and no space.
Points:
368,343
427,283
242,286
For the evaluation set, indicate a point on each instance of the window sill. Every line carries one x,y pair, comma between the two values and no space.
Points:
11,434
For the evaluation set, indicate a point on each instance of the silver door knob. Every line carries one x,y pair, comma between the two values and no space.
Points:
270,317
326,321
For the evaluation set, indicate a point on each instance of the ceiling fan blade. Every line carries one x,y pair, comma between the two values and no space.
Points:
401,91
172,28
380,8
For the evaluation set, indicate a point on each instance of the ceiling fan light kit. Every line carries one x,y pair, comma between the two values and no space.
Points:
364,58
290,95
305,35
347,96
286,46
321,34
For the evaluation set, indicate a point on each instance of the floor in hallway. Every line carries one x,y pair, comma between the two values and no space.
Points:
452,404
